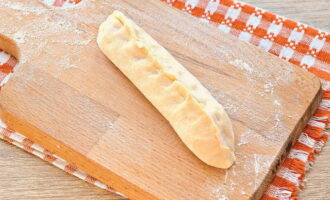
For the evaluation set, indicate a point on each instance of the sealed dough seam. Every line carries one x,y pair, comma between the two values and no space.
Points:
198,119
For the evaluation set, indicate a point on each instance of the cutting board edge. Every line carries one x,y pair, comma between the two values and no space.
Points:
10,46
301,124
113,180
14,54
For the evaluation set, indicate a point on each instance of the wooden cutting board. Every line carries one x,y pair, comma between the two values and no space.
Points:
68,97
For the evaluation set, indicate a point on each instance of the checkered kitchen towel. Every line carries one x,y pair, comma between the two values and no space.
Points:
297,43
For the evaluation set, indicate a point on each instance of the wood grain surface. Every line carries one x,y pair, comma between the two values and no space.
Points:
65,88
21,180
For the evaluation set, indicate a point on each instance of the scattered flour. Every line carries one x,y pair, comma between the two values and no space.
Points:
66,64
48,31
269,87
275,133
219,193
223,197
111,124
277,102
256,168
256,165
24,8
251,137
244,138
230,107
241,65
261,163
19,36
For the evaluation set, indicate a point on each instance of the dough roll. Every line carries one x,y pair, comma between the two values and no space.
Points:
198,119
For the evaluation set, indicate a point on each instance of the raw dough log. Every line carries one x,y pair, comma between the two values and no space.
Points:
198,119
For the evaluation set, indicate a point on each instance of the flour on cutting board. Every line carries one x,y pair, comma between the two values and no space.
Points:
24,8
219,192
66,63
223,197
257,133
275,132
261,162
19,36
250,136
49,30
81,36
56,28
277,102
272,79
241,65
254,164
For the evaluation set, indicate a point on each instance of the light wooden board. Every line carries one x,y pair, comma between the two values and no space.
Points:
88,89
66,187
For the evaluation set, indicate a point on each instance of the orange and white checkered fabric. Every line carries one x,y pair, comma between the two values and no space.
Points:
297,43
